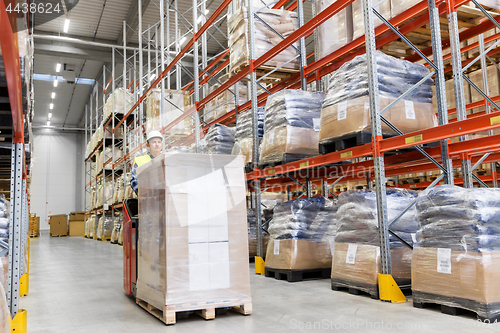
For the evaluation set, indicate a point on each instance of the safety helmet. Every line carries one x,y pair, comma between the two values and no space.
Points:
154,134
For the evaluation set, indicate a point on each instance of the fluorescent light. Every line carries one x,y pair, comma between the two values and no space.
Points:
151,78
55,82
183,39
58,67
201,17
51,106
48,122
49,115
66,25
53,95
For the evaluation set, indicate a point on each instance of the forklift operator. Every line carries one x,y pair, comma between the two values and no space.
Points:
155,144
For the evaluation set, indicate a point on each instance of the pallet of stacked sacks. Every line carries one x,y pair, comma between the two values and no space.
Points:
282,21
356,258
345,113
456,261
301,239
244,134
291,126
219,140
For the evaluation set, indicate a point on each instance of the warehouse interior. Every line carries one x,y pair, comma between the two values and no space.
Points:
222,165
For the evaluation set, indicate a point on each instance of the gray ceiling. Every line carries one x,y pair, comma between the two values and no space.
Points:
95,26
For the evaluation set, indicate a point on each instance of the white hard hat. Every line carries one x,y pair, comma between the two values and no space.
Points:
154,134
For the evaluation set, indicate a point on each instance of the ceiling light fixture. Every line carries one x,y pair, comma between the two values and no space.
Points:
48,123
201,17
51,106
49,115
66,26
183,39
58,67
55,83
53,95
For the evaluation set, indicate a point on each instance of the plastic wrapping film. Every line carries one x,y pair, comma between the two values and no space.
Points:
224,102
117,225
105,226
193,249
358,20
4,218
457,256
356,257
117,106
495,4
282,21
244,133
118,190
175,104
291,124
91,226
346,108
399,6
4,311
337,31
302,234
219,140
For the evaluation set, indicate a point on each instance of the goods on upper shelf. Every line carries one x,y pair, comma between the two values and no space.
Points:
457,256
117,103
219,140
337,31
174,105
225,101
244,133
346,108
282,21
291,125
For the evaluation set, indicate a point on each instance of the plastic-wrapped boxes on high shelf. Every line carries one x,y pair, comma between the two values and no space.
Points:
225,101
337,31
175,104
119,102
346,109
291,125
356,258
193,248
358,20
456,261
4,218
493,85
399,6
244,133
301,239
282,21
219,140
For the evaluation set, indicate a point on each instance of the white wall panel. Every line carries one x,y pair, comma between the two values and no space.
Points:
56,186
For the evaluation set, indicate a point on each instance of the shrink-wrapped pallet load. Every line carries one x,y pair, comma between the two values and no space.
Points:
346,108
356,259
117,225
291,125
219,140
193,248
302,235
457,256
118,103
225,101
244,133
336,31
175,104
282,21
359,21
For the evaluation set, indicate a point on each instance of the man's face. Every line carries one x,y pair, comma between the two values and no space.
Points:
155,146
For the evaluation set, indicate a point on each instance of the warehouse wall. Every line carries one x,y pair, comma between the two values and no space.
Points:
57,185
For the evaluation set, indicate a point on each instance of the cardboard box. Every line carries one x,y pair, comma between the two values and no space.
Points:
472,275
76,228
77,216
58,225
298,254
193,232
364,264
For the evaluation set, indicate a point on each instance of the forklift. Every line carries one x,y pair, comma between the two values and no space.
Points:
130,238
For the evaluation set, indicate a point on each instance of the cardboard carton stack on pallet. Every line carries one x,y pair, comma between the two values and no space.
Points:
58,225
34,227
77,223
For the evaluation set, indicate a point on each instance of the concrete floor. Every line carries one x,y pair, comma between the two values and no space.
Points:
76,286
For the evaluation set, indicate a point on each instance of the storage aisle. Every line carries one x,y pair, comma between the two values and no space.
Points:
76,286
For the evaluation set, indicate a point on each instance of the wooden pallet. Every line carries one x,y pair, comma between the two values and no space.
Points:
168,316
104,239
487,313
275,77
295,275
286,158
355,287
58,235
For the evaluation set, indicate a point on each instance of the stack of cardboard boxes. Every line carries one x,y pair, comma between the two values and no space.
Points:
58,225
77,223
34,228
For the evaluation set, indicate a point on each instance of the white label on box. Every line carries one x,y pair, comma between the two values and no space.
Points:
316,123
351,254
410,110
270,137
444,261
276,246
332,245
342,110
414,238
